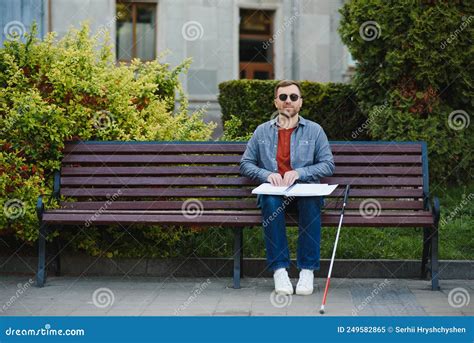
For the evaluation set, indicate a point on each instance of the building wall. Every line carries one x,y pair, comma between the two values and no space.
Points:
100,14
18,16
306,45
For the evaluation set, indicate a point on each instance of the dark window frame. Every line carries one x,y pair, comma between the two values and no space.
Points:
147,3
249,67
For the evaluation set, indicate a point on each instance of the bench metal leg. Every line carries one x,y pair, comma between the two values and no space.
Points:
57,255
434,245
426,251
242,253
434,260
237,256
41,275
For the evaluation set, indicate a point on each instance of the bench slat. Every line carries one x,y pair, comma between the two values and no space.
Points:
147,170
225,204
375,148
207,212
374,181
223,192
156,159
228,220
154,148
226,181
227,170
195,147
156,181
189,159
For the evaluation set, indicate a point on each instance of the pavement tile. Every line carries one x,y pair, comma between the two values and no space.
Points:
153,296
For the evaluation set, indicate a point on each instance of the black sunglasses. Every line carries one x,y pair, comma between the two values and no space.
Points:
293,97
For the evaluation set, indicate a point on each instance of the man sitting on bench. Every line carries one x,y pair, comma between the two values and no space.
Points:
281,151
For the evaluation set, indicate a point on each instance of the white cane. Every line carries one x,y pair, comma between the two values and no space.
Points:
346,194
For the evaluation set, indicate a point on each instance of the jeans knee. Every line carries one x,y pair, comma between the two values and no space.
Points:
311,202
271,202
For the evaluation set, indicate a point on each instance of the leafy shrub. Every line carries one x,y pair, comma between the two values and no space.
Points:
53,91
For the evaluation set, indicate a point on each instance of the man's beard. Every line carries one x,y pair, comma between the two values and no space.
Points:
288,114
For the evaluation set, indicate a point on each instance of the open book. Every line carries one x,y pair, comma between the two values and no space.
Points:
296,190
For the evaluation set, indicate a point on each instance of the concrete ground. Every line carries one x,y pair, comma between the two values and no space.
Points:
150,296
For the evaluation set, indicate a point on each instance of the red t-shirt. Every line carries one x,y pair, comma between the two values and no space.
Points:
283,152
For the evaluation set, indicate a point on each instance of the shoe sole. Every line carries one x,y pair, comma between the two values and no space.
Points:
283,292
304,292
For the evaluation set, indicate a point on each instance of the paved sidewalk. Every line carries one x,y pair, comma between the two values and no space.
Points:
149,296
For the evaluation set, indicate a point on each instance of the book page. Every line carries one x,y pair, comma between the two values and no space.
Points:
268,189
311,189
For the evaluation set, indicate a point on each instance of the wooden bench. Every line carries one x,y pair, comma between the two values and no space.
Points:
157,181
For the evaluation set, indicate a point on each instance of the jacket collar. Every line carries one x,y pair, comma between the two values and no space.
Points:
301,121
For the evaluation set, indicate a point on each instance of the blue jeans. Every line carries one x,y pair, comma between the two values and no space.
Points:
308,209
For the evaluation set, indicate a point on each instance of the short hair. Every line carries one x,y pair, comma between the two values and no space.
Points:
286,83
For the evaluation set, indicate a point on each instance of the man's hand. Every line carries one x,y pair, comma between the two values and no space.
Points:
290,177
275,179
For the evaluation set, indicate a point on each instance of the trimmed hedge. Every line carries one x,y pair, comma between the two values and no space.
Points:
415,77
332,105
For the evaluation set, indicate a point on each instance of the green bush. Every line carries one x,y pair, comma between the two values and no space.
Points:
415,77
247,103
53,91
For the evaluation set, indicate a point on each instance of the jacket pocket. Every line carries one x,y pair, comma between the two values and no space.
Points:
304,152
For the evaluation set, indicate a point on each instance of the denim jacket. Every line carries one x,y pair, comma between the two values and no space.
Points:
310,154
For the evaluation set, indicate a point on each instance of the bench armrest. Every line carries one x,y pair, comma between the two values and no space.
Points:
56,185
54,196
40,207
436,210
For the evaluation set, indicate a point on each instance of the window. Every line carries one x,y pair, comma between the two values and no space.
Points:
256,44
136,31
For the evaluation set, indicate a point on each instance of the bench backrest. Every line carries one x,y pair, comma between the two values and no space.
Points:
162,175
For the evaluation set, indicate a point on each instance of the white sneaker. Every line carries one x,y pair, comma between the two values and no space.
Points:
282,282
305,283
